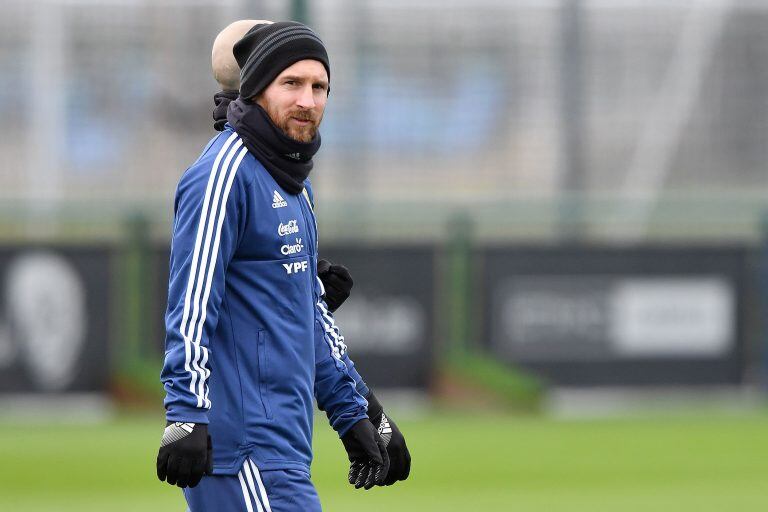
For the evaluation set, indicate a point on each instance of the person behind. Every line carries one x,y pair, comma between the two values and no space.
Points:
247,327
226,72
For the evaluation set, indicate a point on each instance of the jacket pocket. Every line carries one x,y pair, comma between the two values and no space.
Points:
264,373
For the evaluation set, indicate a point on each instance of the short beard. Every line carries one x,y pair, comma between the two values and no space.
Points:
298,133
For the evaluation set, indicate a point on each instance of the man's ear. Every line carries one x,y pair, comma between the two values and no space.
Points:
257,99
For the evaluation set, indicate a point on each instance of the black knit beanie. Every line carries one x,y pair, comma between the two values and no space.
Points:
266,50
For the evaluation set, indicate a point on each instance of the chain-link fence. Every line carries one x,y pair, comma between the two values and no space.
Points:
593,120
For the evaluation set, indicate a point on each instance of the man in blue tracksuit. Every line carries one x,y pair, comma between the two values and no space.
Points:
250,341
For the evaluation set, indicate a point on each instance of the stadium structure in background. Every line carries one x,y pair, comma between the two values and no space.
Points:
458,135
541,120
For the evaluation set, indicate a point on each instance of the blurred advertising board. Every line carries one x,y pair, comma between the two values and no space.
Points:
54,315
619,317
387,322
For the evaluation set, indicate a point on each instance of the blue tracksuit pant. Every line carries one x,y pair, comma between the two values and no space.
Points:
254,491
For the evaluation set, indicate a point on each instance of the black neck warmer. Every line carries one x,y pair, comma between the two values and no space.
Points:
221,101
287,160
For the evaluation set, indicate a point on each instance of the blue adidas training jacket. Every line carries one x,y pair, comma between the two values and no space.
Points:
249,340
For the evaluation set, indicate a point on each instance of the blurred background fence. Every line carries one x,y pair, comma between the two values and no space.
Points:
570,186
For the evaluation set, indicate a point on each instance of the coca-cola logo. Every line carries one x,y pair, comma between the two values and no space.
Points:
290,228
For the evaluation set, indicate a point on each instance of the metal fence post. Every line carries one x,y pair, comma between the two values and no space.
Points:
459,290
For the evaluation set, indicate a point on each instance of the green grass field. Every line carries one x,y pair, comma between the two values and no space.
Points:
484,462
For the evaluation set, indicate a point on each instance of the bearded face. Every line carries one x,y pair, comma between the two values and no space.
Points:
298,124
295,100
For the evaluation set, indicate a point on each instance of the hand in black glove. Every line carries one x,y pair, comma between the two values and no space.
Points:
337,283
368,458
399,457
185,454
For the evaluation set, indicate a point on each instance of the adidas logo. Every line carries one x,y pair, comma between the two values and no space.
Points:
385,429
384,426
278,201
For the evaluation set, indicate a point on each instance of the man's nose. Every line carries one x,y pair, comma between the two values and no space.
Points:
306,98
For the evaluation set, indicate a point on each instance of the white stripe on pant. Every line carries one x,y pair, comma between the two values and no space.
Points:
247,475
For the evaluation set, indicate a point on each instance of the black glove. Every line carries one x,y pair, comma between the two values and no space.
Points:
185,454
399,457
337,283
368,458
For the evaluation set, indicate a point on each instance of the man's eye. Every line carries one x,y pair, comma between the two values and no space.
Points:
290,82
319,87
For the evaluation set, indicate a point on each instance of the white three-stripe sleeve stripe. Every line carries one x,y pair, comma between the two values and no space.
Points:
195,258
218,202
204,264
329,323
211,268
326,332
249,478
218,209
331,330
198,257
337,346
332,334
246,496
262,490
334,346
322,286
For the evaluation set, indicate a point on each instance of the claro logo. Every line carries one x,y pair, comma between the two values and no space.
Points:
287,249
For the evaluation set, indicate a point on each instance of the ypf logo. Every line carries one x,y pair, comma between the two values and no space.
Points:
295,267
